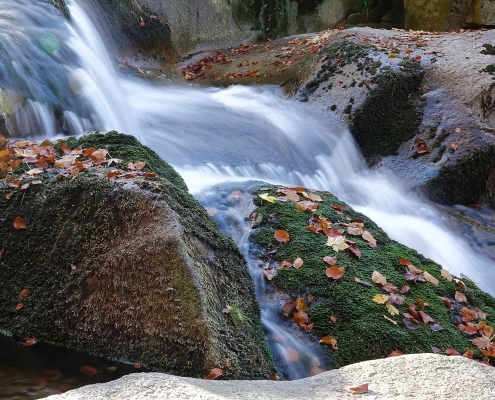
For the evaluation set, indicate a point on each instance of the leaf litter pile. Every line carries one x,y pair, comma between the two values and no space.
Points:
359,293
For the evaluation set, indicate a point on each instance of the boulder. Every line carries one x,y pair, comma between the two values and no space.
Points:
122,264
424,376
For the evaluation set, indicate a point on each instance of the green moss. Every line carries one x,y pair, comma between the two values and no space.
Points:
439,154
388,117
361,329
470,174
488,49
439,140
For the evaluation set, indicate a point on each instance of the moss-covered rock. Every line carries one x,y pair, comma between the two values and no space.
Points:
132,269
362,327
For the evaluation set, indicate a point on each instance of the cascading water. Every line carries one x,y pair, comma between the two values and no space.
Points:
67,84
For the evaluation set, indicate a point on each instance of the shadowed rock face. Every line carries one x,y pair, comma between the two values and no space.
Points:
134,270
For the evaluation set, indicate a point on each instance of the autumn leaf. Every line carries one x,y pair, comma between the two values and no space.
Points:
481,342
335,272
380,298
468,354
391,309
306,206
288,307
452,352
411,324
312,197
337,243
425,317
281,236
19,306
430,278
1,253
24,293
378,278
88,371
422,303
301,305
369,238
358,389
330,260
29,342
436,327
298,262
214,373
333,319
19,223
267,197
404,289
300,317
395,353
446,275
330,341
390,319
460,297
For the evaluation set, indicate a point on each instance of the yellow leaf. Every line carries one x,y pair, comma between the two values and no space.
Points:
298,262
380,298
391,309
337,243
390,319
267,197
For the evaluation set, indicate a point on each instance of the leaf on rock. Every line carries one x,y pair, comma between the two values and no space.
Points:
19,306
460,297
436,327
214,373
300,317
298,262
330,260
404,289
335,272
380,298
446,275
391,309
411,324
333,319
469,354
267,197
425,317
337,243
306,206
355,230
330,341
354,249
364,283
430,278
288,307
358,389
301,305
312,197
378,278
24,293
452,352
390,287
19,223
369,238
29,342
281,236
481,342
395,353
396,299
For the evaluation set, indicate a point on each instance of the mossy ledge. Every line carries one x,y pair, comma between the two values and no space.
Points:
389,116
361,330
131,269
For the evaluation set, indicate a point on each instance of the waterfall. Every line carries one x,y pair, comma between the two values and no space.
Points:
56,77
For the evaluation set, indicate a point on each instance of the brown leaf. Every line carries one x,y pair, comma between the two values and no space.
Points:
430,278
390,287
64,148
312,197
24,293
354,231
330,260
481,342
89,151
29,342
335,272
425,317
19,223
395,353
310,297
460,297
446,275
19,306
301,305
88,371
333,319
421,303
404,261
378,278
411,324
369,238
404,289
306,206
469,354
452,352
354,249
288,307
281,236
358,389
214,373
298,262
300,317
139,165
329,340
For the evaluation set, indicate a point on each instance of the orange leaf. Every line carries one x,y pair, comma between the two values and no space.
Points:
300,317
329,340
452,352
281,236
310,297
29,342
19,223
88,371
460,297
468,354
404,289
330,260
298,262
358,389
89,151
404,261
19,306
430,278
24,293
395,353
481,342
425,317
301,305
421,303
137,366
335,272
333,319
64,148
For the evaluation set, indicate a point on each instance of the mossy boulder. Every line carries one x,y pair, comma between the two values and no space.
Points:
364,329
132,269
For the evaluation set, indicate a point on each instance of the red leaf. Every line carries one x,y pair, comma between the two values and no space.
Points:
88,371
395,353
329,340
19,223
29,342
452,352
425,317
281,236
358,389
404,289
335,272
333,319
24,293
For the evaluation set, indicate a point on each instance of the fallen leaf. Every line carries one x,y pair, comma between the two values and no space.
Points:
395,353
469,354
410,324
281,236
369,238
452,352
300,317
1,253
481,342
333,319
358,389
19,306
460,297
288,307
391,309
378,278
390,319
301,305
330,260
404,289
330,341
380,298
24,293
310,297
337,243
430,278
425,317
137,366
421,303
214,373
29,342
267,197
19,223
335,272
298,262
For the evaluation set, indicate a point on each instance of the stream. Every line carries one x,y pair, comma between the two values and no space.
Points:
211,136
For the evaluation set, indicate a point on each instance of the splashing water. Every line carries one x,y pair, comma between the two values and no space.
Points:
66,84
